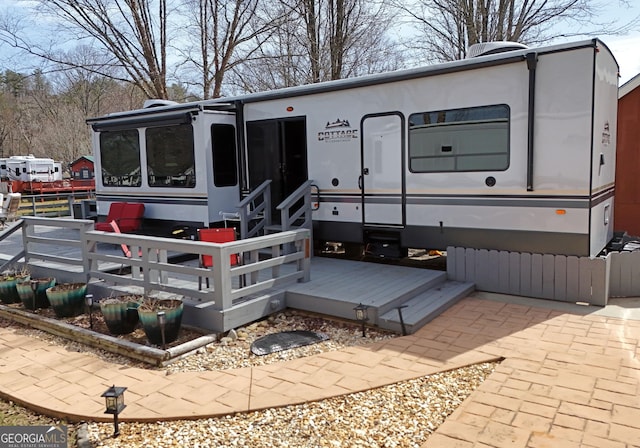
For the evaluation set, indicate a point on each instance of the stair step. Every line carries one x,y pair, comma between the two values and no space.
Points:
426,306
272,229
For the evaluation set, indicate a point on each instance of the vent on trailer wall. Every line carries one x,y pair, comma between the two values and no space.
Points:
485,48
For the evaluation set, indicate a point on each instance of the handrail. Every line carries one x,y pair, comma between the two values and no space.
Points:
52,205
251,210
6,233
287,217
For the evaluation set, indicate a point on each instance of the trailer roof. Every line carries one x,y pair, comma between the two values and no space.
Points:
227,103
401,75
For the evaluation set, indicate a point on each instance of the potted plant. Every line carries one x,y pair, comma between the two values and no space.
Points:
157,332
121,313
67,299
8,281
33,293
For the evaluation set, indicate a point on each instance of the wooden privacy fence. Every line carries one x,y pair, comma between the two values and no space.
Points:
555,277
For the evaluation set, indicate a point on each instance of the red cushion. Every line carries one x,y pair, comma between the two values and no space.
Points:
131,217
127,215
217,235
115,211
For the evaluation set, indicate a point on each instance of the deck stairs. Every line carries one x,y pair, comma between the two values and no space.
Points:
424,307
338,286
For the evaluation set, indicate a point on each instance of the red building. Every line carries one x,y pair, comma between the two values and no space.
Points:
627,199
82,168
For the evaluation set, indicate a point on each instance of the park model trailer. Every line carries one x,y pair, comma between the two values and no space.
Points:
510,151
30,169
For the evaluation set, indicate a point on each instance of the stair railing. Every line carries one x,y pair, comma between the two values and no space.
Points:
255,209
289,215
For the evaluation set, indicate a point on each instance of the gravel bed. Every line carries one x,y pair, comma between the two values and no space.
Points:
399,415
233,351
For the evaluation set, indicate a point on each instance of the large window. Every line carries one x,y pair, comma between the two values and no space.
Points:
120,158
470,139
225,170
170,156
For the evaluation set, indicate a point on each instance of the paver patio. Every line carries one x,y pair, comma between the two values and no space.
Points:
568,378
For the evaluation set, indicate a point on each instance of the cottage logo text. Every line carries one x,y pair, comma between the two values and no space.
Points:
337,131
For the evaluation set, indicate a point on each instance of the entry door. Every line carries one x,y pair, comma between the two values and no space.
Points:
381,177
277,150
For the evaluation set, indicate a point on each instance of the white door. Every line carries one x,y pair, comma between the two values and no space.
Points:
381,177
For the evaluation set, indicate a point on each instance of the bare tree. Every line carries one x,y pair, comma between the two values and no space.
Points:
446,28
132,32
227,33
322,40
342,34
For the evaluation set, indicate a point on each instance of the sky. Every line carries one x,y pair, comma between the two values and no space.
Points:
625,48
627,52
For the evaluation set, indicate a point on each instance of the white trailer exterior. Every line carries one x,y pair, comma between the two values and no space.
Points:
32,169
511,151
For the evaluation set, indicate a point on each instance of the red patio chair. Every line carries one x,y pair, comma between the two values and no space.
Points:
222,235
127,215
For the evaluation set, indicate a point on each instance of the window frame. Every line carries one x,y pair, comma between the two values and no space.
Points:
138,184
454,156
189,179
219,156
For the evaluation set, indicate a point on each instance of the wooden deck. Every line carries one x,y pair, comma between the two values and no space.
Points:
398,298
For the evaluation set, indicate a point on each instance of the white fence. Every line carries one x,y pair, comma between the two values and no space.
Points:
554,277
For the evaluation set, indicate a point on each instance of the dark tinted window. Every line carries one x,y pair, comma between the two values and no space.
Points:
120,158
225,170
170,156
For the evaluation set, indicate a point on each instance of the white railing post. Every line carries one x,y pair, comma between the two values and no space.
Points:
221,278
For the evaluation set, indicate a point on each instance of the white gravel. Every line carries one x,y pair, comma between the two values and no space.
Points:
400,415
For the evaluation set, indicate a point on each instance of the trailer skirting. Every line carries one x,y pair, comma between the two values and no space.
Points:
545,276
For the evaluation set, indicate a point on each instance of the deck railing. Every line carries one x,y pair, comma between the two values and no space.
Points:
296,208
148,265
53,205
254,211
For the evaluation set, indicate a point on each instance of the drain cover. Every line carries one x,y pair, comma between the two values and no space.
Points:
285,340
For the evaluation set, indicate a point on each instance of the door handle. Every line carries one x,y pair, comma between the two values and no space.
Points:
360,182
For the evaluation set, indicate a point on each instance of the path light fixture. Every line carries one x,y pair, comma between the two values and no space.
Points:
114,402
362,315
162,322
88,300
34,288
404,328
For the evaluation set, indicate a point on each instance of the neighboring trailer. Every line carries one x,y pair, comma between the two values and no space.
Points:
30,168
511,151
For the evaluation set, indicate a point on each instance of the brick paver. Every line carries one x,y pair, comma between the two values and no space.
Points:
565,380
